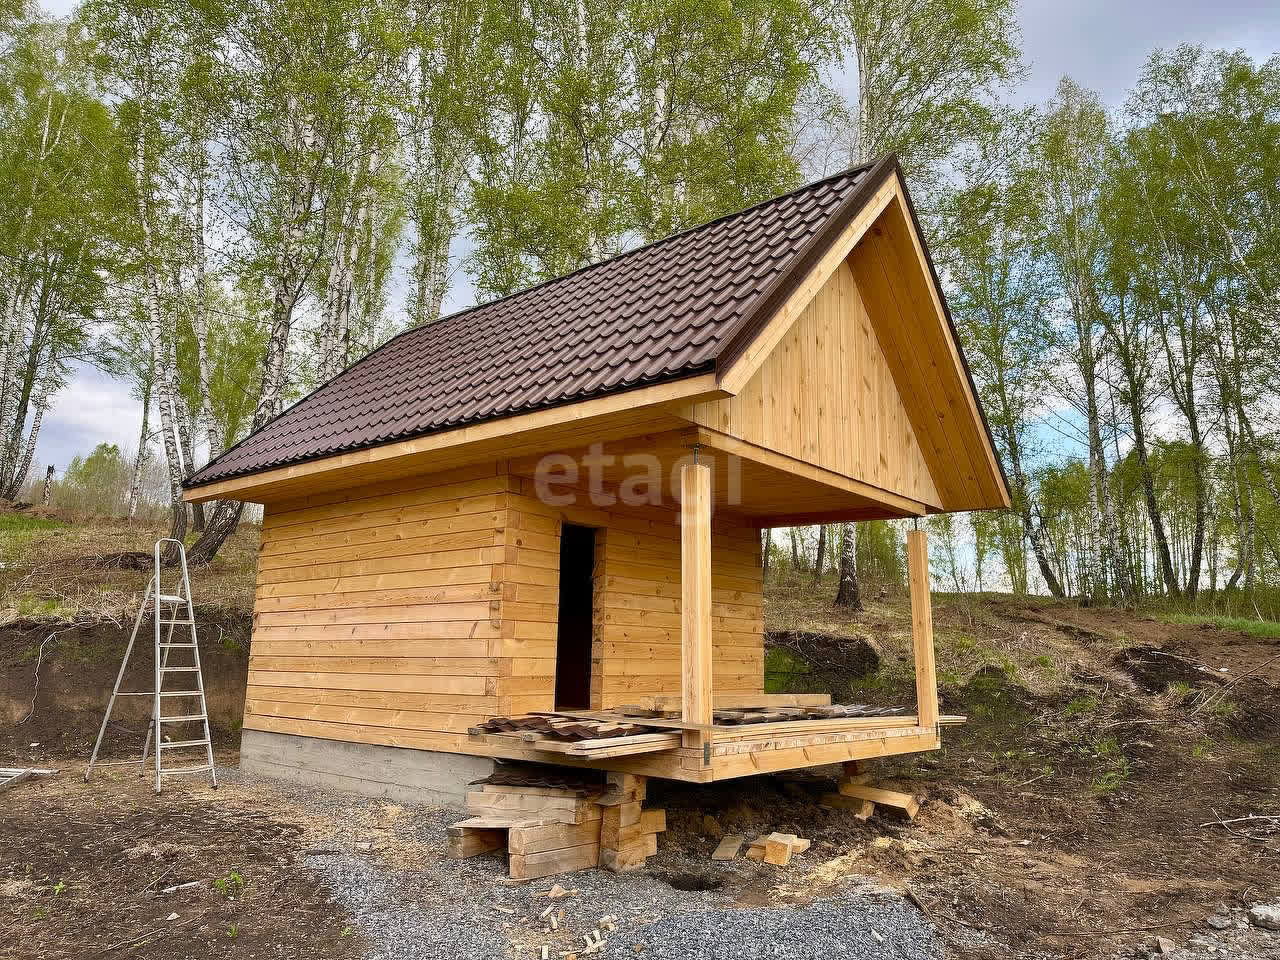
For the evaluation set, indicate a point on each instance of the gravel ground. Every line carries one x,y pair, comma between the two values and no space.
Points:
384,864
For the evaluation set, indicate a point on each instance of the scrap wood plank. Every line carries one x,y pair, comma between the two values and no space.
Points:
12,776
728,847
599,749
888,798
624,746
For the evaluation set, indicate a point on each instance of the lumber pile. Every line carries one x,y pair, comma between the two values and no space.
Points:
557,824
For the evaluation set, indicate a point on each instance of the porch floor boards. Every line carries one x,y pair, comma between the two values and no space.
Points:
734,750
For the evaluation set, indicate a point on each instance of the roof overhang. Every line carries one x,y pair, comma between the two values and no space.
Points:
604,418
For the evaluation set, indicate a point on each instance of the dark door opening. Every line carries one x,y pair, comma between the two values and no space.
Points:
573,639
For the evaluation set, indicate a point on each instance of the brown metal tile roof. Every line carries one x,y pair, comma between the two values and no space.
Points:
662,312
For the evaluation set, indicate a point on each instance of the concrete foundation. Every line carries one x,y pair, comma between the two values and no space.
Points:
398,773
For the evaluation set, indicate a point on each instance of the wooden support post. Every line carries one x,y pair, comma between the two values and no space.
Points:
695,600
922,628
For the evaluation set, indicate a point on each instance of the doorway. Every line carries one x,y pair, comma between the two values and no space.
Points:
573,637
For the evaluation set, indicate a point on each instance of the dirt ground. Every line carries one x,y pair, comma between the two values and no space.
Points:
86,867
1084,809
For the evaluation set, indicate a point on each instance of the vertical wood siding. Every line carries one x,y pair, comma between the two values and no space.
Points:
826,395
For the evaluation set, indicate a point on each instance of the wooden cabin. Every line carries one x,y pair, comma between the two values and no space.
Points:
532,530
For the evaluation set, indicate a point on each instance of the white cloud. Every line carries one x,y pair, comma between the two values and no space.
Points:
93,409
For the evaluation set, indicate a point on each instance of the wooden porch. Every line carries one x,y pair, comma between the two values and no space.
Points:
703,738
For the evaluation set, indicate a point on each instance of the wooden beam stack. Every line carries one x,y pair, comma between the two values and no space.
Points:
628,832
548,830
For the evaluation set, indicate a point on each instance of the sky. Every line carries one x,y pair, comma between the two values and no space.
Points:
1101,43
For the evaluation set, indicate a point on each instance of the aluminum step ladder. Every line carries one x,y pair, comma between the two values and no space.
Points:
188,704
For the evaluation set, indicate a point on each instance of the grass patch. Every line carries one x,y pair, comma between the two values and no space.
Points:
1083,704
27,523
1269,629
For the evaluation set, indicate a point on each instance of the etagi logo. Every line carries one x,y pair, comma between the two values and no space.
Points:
632,479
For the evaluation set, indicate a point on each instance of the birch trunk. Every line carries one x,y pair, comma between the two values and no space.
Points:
161,345
286,288
24,463
144,439
848,595
200,324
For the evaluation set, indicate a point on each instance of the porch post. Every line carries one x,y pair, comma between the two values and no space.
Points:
922,628
695,598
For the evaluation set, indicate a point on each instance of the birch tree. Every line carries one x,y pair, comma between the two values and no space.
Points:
1070,154
299,80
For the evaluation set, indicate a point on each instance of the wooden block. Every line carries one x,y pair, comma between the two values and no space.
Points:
629,857
728,847
653,821
886,798
627,786
799,845
619,824
777,849
616,838
862,809
755,853
555,836
855,767
650,844
467,842
530,866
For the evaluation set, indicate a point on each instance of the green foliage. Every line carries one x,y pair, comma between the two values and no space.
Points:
20,523
229,885
617,123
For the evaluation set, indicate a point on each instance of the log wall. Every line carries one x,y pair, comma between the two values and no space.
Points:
406,612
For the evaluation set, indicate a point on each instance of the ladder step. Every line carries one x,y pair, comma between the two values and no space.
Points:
180,669
177,646
193,716
115,763
184,743
205,769
163,693
179,623
170,598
